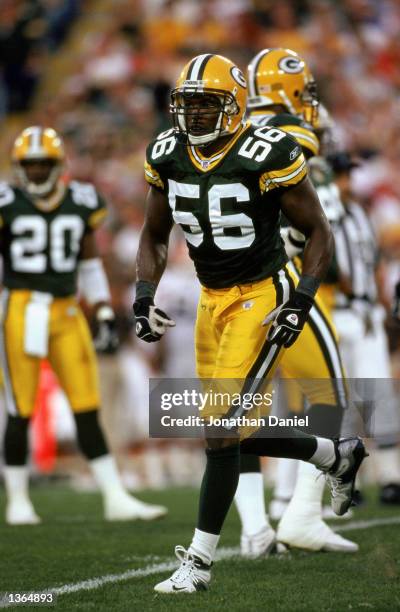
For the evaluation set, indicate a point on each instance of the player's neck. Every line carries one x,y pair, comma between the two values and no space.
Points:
214,147
53,199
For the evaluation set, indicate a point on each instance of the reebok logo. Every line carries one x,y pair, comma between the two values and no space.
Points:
293,318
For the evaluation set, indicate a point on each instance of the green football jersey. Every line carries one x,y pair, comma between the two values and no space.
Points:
228,205
41,249
319,170
293,125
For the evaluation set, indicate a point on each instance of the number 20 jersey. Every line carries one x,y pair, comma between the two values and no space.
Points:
228,204
41,248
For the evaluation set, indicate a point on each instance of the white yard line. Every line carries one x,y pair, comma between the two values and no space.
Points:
354,525
158,568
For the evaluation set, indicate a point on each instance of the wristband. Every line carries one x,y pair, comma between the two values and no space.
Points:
303,300
308,285
145,289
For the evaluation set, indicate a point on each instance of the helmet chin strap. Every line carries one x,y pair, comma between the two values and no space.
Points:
206,138
42,189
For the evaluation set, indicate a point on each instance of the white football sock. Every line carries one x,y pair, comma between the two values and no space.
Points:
16,480
107,477
285,478
387,465
308,490
325,456
250,503
204,545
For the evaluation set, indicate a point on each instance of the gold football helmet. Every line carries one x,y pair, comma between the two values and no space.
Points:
212,87
281,76
38,144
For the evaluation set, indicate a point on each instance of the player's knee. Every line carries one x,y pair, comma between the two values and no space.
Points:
91,439
16,440
228,453
214,443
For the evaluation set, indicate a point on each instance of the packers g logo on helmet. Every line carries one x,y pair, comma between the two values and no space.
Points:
212,76
282,77
291,65
38,143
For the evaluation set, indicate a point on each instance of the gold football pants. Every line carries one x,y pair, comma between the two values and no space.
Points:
231,342
71,355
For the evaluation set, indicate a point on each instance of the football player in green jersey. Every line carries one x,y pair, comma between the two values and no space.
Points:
47,241
283,95
226,182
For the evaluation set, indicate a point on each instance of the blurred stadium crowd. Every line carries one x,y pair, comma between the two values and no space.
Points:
100,71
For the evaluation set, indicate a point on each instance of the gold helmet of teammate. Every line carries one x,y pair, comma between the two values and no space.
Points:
281,77
43,145
209,100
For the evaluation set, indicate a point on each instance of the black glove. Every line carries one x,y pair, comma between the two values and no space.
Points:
151,322
396,303
106,339
288,320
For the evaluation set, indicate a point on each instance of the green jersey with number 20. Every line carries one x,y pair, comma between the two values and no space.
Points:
228,204
41,248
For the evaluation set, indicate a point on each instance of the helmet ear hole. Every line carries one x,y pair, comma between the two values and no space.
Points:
296,93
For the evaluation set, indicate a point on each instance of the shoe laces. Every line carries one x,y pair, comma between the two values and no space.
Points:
187,566
335,484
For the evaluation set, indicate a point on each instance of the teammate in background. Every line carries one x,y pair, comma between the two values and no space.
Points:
283,95
226,182
360,317
47,240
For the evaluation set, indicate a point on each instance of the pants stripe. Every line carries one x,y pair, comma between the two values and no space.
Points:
8,387
269,351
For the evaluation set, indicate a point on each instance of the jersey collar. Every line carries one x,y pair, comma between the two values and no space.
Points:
205,164
49,204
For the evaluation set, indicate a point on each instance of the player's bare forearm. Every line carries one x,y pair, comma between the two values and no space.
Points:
153,244
89,248
151,258
303,209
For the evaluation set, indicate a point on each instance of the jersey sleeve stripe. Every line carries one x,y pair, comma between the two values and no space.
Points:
288,178
97,218
272,179
304,137
299,161
152,176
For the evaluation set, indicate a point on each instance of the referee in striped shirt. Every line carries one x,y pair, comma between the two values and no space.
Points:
360,318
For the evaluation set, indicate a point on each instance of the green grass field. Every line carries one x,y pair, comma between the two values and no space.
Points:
74,545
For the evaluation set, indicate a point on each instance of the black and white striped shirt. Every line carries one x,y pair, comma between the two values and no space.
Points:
356,254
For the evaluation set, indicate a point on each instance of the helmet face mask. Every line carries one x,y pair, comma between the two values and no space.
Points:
209,101
38,160
282,77
309,99
200,117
